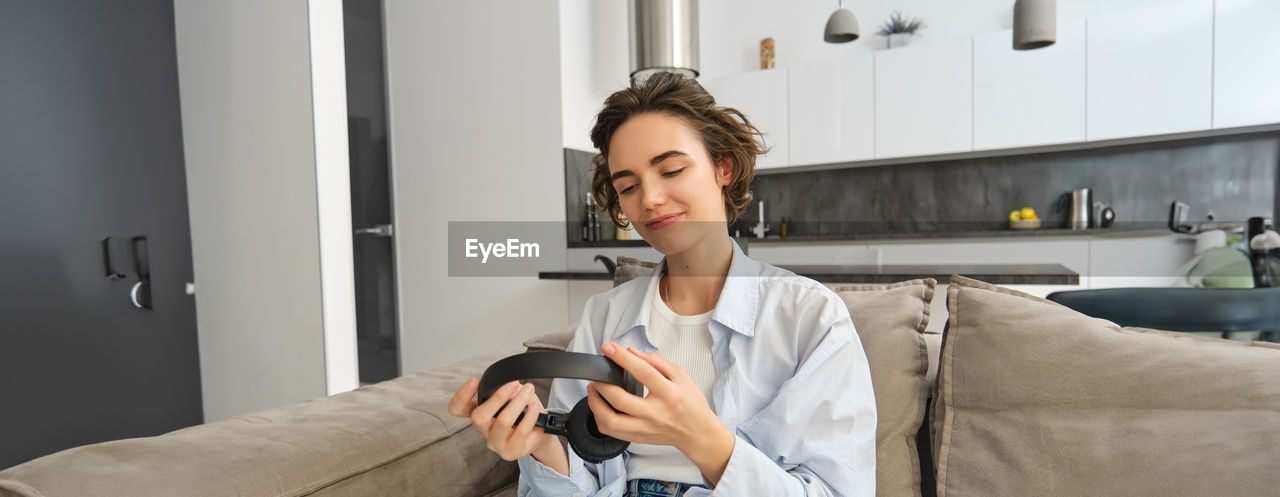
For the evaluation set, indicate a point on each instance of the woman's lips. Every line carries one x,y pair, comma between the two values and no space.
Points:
664,221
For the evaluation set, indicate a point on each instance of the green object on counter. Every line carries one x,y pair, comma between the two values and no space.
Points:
1219,267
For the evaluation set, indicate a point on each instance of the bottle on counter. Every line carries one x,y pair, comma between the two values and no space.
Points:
592,220
586,223
782,228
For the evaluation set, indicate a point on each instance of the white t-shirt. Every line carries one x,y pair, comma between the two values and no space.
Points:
685,341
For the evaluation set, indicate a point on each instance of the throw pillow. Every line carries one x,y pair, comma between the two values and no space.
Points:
629,268
890,320
1033,398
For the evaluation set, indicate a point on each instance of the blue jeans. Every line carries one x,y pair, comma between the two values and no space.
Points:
645,487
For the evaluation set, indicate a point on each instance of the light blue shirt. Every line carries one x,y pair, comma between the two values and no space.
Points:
792,384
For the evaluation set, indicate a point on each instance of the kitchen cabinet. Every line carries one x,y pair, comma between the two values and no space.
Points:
832,111
1024,98
1150,70
924,99
762,96
1246,63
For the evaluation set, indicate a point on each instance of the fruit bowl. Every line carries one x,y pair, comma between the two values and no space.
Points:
1025,224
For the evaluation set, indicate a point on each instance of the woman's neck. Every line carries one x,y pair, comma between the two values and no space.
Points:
695,277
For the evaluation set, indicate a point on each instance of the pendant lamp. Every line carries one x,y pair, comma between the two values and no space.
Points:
842,27
1035,24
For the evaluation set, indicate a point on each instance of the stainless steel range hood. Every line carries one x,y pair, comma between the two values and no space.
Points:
664,37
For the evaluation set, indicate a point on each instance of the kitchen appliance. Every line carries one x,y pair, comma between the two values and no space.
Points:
1260,257
664,37
1103,216
1081,205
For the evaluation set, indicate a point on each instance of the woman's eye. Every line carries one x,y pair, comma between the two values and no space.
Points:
673,173
624,191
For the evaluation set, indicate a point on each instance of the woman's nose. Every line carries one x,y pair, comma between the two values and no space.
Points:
653,195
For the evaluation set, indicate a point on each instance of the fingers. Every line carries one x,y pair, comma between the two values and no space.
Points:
609,421
644,372
501,429
620,399
669,369
464,400
522,433
482,415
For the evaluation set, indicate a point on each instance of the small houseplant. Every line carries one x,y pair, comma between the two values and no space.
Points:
898,29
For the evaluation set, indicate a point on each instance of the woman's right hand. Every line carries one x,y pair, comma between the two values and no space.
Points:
497,424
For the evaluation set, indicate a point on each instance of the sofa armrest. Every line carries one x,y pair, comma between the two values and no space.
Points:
388,439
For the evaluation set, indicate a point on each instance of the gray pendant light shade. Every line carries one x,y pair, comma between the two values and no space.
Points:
842,27
1035,24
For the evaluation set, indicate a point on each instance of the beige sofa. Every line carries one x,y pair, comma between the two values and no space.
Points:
1030,398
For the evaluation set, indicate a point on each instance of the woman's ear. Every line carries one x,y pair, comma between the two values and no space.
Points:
724,170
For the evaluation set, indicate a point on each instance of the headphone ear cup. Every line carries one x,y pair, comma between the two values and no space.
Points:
586,439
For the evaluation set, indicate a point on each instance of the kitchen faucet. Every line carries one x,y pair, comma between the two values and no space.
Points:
761,228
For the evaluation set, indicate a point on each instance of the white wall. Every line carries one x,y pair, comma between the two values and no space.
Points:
595,62
244,72
595,34
475,130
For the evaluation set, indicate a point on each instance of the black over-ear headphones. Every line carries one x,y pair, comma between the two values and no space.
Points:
579,424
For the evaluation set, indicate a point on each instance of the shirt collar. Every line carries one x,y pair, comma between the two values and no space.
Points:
736,308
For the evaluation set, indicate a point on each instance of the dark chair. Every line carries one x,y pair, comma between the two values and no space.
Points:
1182,309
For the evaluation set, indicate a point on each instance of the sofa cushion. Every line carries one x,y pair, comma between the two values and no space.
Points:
629,268
391,438
555,341
890,321
1033,398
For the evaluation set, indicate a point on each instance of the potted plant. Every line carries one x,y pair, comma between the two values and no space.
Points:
898,29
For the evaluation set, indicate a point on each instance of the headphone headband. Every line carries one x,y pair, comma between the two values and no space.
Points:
552,364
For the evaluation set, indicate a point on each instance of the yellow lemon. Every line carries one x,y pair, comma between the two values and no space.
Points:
1015,215
1028,213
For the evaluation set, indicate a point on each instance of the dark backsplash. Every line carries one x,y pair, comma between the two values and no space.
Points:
1232,177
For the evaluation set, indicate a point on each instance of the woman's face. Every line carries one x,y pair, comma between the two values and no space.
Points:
667,185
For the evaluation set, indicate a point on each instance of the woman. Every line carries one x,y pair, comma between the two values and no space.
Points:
756,383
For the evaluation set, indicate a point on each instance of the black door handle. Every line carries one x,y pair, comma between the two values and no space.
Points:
111,274
140,294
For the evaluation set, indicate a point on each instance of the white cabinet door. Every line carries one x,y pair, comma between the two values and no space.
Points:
1150,70
762,96
1246,63
924,99
832,111
1023,98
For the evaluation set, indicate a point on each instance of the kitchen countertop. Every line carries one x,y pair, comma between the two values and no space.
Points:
999,274
1134,231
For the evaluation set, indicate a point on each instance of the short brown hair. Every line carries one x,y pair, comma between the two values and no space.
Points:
725,132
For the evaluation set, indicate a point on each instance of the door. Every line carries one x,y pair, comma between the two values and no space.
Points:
377,340
91,149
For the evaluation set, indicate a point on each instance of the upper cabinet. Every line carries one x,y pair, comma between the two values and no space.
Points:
1246,63
1175,66
1023,98
1150,71
762,96
832,111
924,99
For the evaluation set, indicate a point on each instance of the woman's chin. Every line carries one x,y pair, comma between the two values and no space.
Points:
670,240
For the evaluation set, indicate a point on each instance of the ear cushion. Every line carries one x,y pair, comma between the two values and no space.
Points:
585,437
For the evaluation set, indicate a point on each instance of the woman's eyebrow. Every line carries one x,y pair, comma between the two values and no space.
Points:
664,156
652,162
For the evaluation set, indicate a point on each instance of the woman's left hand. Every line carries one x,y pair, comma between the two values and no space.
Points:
674,413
